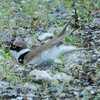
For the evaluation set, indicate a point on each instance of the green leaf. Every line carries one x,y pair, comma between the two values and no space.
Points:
71,39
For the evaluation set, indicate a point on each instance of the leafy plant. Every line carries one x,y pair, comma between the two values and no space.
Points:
84,8
71,39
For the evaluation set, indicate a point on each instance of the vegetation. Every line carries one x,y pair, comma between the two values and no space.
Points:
31,18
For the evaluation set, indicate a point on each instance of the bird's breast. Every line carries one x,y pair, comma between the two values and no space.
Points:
51,54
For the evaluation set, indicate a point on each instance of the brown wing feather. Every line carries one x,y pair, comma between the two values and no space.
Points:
35,52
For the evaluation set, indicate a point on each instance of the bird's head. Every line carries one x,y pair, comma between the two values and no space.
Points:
18,48
16,44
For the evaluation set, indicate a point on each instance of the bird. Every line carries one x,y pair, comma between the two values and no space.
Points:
48,51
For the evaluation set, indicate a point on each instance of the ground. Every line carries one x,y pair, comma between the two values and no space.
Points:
72,76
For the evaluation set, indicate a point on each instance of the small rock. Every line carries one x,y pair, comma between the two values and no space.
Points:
19,98
45,36
40,75
62,77
96,21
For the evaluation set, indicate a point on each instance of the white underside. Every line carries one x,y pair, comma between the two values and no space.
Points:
51,54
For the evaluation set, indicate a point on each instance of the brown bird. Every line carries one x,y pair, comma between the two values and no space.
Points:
37,51
49,50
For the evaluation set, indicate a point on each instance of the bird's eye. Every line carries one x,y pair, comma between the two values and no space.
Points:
20,60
